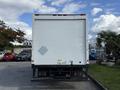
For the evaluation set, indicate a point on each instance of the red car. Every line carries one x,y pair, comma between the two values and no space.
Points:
8,57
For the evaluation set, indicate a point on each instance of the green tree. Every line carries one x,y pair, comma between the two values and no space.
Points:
8,35
111,41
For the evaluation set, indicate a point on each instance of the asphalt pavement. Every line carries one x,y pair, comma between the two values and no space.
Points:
18,75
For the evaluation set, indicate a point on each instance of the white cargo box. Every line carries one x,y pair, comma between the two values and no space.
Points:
59,39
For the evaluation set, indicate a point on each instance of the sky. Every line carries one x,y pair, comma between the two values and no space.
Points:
101,14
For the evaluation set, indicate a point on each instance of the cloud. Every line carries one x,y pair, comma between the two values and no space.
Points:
15,8
46,9
22,26
11,10
59,2
107,22
111,11
95,4
96,11
90,36
72,7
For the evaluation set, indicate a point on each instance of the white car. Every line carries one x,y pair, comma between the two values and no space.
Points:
1,55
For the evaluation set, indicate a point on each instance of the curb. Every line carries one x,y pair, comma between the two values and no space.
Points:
97,83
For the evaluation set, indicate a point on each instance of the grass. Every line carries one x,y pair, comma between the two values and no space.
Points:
108,76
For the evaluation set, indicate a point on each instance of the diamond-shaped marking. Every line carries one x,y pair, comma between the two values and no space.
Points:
43,50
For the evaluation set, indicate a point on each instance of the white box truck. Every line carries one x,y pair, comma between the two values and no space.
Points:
59,46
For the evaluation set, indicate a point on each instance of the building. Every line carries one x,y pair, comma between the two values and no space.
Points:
27,43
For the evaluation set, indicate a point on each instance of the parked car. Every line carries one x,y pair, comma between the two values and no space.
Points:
8,57
24,55
1,55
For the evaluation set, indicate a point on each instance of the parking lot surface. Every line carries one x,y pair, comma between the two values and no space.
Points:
17,76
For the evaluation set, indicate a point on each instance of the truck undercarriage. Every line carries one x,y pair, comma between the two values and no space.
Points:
60,71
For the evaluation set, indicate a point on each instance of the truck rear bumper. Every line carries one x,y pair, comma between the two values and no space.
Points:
58,66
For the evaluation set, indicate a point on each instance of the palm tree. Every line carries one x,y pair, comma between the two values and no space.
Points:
111,41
